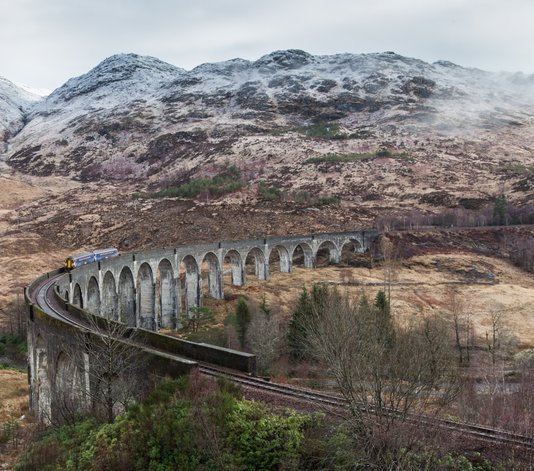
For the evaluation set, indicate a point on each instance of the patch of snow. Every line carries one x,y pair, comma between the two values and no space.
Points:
38,93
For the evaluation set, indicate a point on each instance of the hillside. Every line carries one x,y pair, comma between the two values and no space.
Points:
403,132
15,103
378,136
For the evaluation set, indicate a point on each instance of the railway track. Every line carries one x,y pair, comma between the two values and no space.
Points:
334,404
42,297
334,401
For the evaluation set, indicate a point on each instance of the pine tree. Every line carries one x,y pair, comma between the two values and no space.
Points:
381,302
243,317
296,334
500,209
385,328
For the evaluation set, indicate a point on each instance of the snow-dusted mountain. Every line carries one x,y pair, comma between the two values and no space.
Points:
15,103
139,116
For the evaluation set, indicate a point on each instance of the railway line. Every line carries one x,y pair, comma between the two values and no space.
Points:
43,297
337,403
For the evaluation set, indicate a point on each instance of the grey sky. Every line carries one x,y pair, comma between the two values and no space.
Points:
45,42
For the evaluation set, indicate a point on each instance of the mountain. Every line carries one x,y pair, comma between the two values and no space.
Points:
404,126
15,103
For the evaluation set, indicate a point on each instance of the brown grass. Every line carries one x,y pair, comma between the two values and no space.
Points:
421,288
13,392
14,406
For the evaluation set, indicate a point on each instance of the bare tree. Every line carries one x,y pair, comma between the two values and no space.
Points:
390,264
265,337
111,364
384,371
199,316
15,315
462,325
493,336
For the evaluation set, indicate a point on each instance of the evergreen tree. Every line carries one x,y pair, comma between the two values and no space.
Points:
385,329
296,334
500,209
381,302
319,295
306,305
243,317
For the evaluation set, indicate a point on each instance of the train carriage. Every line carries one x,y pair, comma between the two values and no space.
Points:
78,260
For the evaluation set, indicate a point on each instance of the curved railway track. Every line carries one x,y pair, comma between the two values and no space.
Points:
334,404
334,401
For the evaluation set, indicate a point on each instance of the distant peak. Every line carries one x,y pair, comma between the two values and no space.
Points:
123,68
37,92
287,59
23,92
132,60
446,64
122,56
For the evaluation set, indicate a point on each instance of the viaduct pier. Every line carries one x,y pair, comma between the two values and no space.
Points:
146,291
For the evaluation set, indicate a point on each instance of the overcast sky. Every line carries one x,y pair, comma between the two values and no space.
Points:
45,42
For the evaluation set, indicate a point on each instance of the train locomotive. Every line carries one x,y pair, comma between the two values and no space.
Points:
75,261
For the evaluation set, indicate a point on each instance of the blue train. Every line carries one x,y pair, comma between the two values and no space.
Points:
75,261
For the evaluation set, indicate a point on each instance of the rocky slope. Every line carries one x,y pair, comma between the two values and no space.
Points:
15,103
452,134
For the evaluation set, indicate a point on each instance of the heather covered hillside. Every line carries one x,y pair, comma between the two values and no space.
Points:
378,129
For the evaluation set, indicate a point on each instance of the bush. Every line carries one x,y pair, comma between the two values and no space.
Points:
323,131
228,181
12,343
59,448
340,158
191,423
383,153
262,440
269,193
13,347
517,169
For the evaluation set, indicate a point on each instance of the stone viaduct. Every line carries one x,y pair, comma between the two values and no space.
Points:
148,290
153,289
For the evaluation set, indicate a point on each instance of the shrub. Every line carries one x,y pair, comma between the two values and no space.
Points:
322,130
189,423
12,343
339,158
262,440
228,181
383,153
13,348
517,169
269,193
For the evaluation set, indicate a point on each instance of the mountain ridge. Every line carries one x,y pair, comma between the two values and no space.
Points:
161,122
15,103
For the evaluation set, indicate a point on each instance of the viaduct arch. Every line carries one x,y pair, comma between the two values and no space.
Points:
154,289
149,290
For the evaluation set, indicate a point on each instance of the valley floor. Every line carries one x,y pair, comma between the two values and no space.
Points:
44,219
